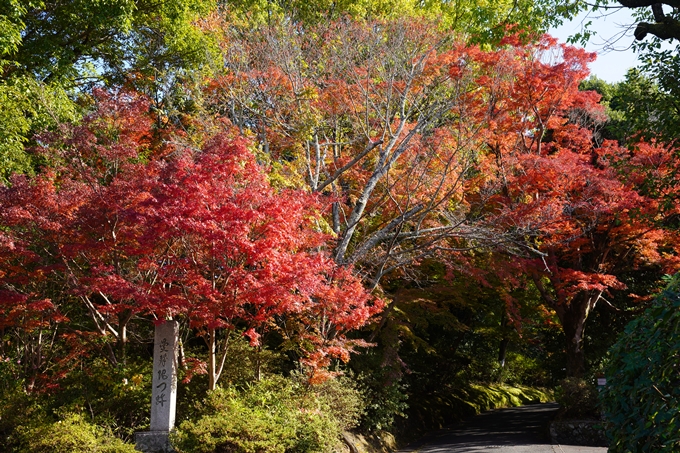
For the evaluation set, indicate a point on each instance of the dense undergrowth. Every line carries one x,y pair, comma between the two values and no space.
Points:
273,415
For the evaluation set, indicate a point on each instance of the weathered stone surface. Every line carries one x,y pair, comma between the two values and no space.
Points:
163,391
153,442
164,382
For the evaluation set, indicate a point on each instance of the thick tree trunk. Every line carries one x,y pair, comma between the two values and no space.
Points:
573,314
572,325
573,317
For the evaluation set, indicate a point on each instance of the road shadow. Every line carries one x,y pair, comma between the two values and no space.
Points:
511,427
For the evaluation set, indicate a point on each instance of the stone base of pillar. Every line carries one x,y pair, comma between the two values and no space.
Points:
153,442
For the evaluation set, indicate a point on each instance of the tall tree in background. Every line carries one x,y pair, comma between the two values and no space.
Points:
657,23
431,146
564,194
53,52
637,109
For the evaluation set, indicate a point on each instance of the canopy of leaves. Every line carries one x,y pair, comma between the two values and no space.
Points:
479,21
56,41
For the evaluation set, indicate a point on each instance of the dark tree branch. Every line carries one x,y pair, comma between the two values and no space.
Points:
664,27
645,3
670,29
657,10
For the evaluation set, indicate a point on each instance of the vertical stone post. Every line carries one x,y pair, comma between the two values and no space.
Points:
163,392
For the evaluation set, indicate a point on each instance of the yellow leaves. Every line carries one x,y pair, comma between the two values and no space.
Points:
137,380
309,93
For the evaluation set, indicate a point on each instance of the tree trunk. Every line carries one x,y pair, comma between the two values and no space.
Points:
122,340
573,319
572,314
505,341
212,362
503,351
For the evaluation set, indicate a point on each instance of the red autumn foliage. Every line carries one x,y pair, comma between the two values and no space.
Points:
585,219
429,146
423,146
198,233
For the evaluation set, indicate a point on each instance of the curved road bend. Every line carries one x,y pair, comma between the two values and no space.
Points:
514,430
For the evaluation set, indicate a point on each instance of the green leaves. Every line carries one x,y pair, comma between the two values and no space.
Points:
642,395
11,25
274,415
483,21
57,37
28,105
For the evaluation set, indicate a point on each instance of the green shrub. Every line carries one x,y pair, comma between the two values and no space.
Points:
342,400
521,369
384,404
274,415
578,398
642,395
116,397
72,434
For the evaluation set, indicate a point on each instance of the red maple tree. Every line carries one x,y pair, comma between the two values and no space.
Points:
126,227
564,197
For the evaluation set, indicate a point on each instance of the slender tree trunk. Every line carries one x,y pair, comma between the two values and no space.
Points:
503,351
123,320
212,362
258,364
505,341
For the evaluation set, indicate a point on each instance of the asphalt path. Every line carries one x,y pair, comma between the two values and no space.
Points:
514,430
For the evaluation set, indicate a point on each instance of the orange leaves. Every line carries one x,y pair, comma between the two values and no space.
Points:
592,212
573,282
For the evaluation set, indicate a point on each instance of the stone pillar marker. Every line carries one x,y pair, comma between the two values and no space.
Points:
163,392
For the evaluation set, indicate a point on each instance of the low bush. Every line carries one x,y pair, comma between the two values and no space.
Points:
642,395
274,415
72,434
578,399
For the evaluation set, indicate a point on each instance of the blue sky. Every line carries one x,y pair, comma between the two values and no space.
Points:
612,42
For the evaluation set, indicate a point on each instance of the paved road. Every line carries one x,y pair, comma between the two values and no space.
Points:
514,430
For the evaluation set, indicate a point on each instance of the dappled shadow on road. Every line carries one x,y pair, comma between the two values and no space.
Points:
513,427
